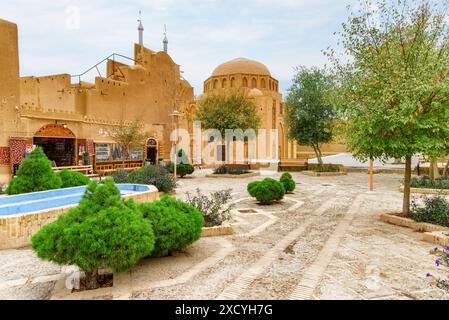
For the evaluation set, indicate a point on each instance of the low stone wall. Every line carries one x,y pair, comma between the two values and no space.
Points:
16,230
426,191
375,170
324,174
217,231
234,176
432,233
437,237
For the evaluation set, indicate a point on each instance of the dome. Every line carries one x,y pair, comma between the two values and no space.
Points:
241,65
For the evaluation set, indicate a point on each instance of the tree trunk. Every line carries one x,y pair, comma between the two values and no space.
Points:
407,180
434,171
318,154
446,168
91,279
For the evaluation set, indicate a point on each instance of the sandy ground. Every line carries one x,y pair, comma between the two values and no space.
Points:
332,244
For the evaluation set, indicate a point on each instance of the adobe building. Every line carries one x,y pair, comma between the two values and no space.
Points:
69,117
254,81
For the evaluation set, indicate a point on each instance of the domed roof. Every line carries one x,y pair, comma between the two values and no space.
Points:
241,65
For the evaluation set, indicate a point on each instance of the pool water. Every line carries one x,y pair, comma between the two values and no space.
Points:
37,201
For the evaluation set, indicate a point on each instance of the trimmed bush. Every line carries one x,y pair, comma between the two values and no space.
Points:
72,179
102,232
434,210
252,186
35,174
176,224
266,191
288,182
152,175
182,169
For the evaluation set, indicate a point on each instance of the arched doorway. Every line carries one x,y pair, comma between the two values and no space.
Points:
152,151
59,144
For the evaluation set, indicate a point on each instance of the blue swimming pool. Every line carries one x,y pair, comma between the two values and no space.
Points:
37,201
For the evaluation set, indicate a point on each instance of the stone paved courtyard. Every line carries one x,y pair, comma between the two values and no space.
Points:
325,241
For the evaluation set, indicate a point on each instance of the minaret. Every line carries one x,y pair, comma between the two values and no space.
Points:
165,39
140,28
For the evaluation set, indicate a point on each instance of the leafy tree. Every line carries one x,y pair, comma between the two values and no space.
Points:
228,112
102,232
129,136
35,174
223,112
393,82
176,224
310,115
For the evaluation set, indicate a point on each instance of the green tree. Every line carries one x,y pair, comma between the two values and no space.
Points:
102,232
393,82
228,112
223,112
129,136
35,174
310,115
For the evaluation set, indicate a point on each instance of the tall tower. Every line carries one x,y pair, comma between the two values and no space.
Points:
140,28
9,94
165,39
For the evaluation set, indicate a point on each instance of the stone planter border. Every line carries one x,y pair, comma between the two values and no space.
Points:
16,230
426,191
217,231
432,233
233,176
324,174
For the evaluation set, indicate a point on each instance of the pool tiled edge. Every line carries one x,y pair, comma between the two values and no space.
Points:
16,230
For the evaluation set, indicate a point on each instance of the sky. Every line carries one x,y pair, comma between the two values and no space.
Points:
70,36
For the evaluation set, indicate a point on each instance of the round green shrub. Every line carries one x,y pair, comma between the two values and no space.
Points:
35,174
286,175
182,169
252,186
102,232
176,224
288,182
72,179
267,191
